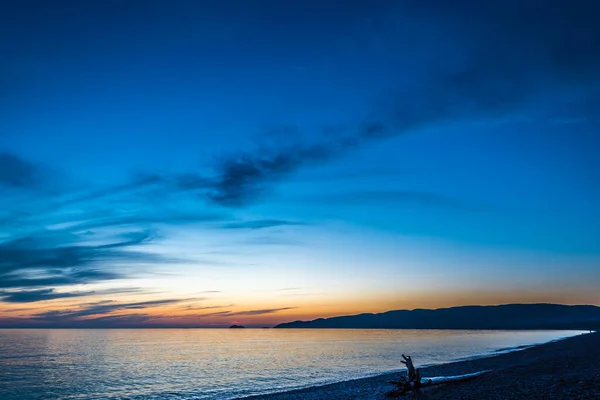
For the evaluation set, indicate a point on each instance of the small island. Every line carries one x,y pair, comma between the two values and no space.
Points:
236,327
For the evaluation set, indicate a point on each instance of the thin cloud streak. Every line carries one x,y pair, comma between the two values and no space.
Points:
189,308
102,308
260,224
245,313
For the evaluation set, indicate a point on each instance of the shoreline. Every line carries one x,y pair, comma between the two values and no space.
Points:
560,369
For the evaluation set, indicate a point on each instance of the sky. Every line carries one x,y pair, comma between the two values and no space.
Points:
208,163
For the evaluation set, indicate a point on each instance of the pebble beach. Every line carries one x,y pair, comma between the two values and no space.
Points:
566,369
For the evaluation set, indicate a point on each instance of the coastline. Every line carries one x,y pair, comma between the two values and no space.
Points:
563,369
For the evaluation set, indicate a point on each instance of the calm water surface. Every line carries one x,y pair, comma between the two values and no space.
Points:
221,363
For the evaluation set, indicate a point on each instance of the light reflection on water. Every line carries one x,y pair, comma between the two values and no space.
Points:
221,363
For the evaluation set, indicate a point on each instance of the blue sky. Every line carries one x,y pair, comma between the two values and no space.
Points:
295,159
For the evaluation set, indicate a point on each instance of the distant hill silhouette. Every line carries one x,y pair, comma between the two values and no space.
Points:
508,316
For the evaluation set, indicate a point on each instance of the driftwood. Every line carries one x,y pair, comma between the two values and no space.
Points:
412,382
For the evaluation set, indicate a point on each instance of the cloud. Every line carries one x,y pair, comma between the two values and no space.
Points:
54,258
272,241
249,312
30,296
16,172
214,314
496,56
260,224
109,321
243,177
102,308
54,239
261,312
502,55
141,219
191,307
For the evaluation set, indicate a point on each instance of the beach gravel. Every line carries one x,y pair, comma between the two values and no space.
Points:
566,369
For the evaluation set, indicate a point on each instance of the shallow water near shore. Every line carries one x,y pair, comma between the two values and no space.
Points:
223,363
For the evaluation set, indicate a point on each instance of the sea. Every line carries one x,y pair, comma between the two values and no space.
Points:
223,363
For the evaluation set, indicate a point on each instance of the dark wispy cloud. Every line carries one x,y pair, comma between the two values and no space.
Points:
30,296
244,177
52,258
497,56
103,308
16,172
504,54
62,238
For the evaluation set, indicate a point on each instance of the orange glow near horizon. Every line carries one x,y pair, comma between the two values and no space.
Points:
205,312
316,283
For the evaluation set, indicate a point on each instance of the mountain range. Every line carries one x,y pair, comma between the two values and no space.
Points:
507,316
